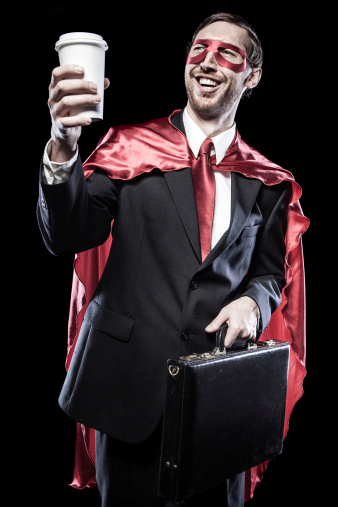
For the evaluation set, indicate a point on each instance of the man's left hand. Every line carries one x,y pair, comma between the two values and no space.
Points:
242,318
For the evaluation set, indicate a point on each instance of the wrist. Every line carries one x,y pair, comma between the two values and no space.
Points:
63,144
255,308
61,152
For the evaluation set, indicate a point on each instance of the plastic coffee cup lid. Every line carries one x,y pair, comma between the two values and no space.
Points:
80,38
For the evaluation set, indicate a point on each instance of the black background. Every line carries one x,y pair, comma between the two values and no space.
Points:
285,119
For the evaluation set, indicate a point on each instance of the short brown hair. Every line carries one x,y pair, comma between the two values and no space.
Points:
253,45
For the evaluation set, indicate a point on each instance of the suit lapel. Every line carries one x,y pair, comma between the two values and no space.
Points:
182,191
243,195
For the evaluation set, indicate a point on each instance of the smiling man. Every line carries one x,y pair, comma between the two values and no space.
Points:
217,74
178,226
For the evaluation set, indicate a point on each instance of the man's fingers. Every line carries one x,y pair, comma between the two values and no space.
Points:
67,91
66,72
69,122
241,316
69,102
62,111
234,331
217,322
232,335
71,87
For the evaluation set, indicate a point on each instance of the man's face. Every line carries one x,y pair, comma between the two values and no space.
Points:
214,89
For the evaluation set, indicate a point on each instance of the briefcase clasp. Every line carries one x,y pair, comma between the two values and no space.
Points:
173,370
218,352
269,343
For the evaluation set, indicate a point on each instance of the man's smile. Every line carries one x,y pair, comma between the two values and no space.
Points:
206,83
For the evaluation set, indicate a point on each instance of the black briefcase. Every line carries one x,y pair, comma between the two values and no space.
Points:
224,413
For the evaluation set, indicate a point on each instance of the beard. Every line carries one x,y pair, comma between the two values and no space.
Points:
209,107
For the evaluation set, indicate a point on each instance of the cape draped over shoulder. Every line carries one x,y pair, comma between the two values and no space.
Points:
127,151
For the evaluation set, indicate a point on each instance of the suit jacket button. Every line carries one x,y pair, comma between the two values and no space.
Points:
184,335
194,285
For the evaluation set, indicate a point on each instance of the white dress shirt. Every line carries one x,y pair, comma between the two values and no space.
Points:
56,173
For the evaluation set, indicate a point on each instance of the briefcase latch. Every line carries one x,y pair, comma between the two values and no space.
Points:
218,352
173,370
250,345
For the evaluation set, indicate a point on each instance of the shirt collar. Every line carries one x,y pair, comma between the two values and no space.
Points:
196,137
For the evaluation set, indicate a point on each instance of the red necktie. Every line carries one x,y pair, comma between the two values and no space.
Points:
204,186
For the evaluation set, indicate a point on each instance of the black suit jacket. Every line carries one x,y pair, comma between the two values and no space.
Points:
155,297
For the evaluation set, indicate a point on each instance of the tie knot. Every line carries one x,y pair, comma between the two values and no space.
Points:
206,146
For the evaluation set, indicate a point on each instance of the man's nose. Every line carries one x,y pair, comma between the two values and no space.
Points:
209,62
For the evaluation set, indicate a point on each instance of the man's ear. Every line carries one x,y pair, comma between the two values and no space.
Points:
254,78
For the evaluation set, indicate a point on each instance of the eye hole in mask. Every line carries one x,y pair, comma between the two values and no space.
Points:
227,55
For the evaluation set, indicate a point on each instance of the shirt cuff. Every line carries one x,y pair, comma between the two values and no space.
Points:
57,172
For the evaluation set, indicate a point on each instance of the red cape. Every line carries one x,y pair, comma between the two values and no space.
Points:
128,151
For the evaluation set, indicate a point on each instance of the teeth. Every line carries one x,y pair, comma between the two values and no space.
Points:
207,82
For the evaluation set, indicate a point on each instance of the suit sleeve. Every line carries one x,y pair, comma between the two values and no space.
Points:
76,215
266,275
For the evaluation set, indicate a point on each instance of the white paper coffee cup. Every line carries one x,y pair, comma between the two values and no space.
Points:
88,50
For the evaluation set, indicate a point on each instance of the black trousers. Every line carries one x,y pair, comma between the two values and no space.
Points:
127,476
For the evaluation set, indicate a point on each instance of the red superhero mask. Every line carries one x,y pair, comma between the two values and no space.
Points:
227,55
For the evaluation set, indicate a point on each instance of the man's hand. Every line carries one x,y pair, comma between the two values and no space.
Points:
67,90
241,316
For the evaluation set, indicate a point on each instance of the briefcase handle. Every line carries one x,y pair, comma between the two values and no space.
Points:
220,335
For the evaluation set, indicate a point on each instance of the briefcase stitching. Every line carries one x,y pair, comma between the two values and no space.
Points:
162,442
175,459
180,433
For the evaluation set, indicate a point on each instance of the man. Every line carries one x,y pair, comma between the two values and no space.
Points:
168,282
